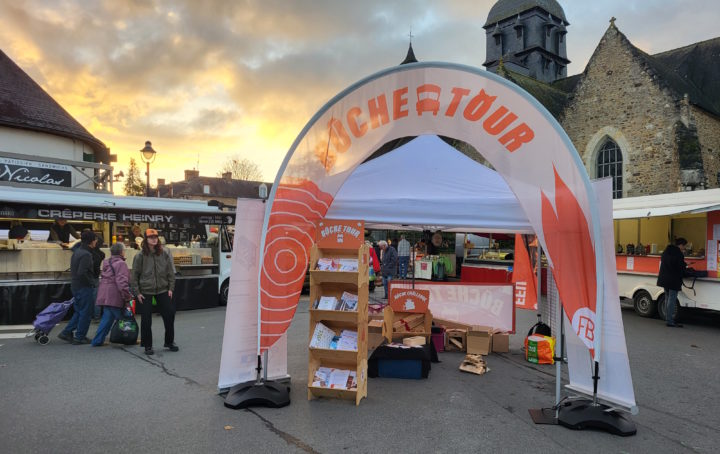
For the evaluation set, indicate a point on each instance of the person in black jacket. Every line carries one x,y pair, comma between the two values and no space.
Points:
672,270
98,257
83,279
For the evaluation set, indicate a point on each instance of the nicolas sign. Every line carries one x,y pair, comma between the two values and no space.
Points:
34,172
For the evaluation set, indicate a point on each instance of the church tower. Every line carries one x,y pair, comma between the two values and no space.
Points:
528,37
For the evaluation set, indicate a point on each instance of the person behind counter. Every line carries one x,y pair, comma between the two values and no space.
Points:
60,231
17,231
135,233
81,270
436,243
154,275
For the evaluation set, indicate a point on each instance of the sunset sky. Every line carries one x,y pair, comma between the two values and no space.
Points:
212,79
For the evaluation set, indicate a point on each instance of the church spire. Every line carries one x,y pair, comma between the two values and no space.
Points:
410,57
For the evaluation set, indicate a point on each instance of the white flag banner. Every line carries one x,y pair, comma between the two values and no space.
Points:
615,384
240,339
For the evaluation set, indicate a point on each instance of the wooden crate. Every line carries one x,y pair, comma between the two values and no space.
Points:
391,317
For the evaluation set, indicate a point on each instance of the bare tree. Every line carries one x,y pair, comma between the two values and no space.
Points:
241,169
134,184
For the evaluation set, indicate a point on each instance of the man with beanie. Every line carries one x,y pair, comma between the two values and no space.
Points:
83,279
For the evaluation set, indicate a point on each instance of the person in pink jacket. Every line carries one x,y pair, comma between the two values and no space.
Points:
113,292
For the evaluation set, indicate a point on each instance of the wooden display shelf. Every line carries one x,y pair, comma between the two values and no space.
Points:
351,317
350,277
337,356
334,283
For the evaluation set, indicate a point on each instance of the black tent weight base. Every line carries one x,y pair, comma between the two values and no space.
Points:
581,414
258,393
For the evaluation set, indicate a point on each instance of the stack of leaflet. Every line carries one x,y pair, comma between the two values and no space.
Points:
327,377
324,337
330,264
347,341
348,302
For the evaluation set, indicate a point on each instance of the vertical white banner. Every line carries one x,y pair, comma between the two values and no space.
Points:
240,339
615,384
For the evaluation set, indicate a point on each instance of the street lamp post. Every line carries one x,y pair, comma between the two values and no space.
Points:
148,156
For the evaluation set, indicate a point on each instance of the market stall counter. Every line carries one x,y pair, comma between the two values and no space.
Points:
33,277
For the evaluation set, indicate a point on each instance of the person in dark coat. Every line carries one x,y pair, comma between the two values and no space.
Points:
388,266
672,270
83,278
98,257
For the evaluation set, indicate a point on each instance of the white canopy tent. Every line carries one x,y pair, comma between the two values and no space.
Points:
440,188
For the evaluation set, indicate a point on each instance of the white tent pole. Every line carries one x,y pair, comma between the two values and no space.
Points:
538,264
559,340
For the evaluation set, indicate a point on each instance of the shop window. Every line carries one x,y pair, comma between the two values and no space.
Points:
610,164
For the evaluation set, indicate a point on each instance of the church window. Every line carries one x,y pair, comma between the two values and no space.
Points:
518,32
610,164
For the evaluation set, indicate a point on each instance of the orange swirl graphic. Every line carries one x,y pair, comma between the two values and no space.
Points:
290,235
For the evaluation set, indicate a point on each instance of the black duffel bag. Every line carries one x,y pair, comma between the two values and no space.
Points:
125,329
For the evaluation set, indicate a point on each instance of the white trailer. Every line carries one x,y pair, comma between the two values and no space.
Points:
648,224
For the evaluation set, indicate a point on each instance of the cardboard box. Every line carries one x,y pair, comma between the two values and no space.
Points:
455,340
479,340
500,342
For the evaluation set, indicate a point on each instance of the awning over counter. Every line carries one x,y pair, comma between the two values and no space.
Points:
667,204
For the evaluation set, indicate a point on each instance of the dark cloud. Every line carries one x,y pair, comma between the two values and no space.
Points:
188,70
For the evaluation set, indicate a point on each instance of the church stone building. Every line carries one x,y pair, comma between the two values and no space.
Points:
651,122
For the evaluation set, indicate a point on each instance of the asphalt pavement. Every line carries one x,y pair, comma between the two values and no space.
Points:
64,398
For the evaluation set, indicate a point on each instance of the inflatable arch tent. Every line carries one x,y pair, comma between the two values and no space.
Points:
509,128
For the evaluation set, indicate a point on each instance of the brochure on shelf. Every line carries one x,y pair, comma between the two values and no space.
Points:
326,377
327,303
350,301
347,264
326,264
322,336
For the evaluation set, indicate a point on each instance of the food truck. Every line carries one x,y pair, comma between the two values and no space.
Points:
644,226
35,272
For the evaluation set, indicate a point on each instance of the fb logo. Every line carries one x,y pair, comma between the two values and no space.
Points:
584,324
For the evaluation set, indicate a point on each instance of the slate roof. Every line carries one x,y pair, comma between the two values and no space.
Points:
697,65
504,9
554,97
25,105
219,187
693,70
